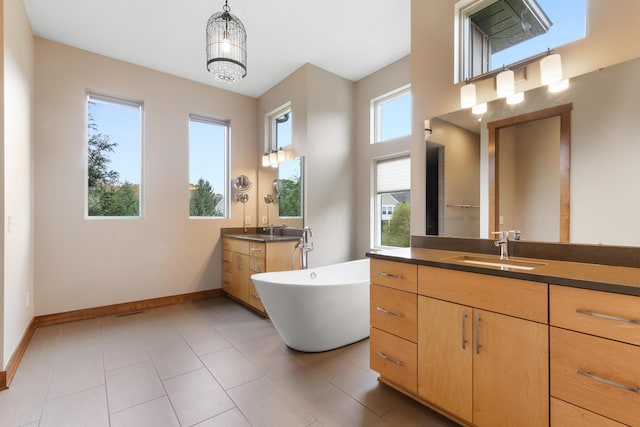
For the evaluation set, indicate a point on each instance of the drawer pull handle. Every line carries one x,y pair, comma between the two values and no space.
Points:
608,382
255,250
477,327
393,276
608,317
390,359
464,337
255,270
390,313
256,296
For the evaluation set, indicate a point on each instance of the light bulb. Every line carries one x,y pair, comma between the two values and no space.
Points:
516,98
226,45
479,108
558,86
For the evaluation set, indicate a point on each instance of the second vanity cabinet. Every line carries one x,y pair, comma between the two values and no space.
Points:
242,258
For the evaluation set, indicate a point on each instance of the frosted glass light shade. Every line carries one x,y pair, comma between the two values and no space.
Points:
265,160
273,159
479,108
505,83
559,86
550,69
468,96
516,98
281,156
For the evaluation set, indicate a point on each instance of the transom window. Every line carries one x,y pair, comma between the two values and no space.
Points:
391,115
114,157
491,34
280,129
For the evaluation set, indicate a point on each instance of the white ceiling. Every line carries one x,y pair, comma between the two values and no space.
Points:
351,38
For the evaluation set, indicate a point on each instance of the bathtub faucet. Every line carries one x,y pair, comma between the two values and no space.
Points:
305,245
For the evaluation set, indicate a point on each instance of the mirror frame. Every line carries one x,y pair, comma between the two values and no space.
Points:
564,112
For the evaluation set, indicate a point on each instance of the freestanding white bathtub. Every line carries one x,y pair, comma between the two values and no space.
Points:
318,309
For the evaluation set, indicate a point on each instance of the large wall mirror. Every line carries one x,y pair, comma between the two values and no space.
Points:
281,194
512,169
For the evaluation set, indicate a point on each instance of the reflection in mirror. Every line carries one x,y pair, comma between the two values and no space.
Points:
604,125
286,186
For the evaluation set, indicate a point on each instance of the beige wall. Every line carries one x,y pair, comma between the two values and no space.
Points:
322,106
84,263
389,78
529,177
461,166
17,182
612,32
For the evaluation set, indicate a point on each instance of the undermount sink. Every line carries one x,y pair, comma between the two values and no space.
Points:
503,264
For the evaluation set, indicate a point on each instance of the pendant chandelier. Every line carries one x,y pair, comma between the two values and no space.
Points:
226,46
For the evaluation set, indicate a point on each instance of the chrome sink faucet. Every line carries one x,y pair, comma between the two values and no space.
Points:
503,241
305,245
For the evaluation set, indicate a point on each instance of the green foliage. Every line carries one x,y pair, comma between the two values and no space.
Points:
114,200
290,199
203,200
397,231
107,197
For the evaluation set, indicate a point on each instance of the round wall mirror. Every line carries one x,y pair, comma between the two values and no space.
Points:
241,183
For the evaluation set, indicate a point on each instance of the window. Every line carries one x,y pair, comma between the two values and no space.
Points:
290,196
392,207
114,157
491,34
280,131
208,167
391,115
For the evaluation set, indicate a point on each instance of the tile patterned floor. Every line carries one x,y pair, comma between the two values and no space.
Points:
207,364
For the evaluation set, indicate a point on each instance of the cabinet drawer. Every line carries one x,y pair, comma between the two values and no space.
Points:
598,313
257,249
515,297
394,358
254,298
227,265
226,279
226,256
564,414
393,274
236,245
394,311
256,265
594,373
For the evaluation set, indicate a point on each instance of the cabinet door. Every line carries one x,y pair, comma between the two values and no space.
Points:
240,277
510,371
445,355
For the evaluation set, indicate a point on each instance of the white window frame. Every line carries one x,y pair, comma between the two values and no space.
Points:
270,127
376,117
376,227
227,177
127,102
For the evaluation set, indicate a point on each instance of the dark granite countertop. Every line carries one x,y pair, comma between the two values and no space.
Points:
623,280
264,238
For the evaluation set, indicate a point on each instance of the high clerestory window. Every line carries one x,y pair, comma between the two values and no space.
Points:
491,34
391,115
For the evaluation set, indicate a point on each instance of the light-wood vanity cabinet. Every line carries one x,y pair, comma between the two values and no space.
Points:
393,317
483,352
595,355
243,258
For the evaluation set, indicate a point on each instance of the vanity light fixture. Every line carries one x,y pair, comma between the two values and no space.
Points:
516,98
559,86
274,158
479,108
550,69
468,95
226,46
505,83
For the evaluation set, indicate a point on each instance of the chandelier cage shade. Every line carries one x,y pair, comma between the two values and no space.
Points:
226,46
468,95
